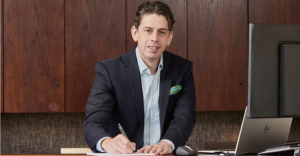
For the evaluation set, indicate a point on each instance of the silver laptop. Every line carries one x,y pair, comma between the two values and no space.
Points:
259,133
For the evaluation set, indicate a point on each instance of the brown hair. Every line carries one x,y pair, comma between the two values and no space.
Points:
158,8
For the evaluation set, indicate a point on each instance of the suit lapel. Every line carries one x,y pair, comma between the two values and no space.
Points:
134,80
165,85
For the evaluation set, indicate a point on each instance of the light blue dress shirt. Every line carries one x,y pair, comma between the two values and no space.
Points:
150,86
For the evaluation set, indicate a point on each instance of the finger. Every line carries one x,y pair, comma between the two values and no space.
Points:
147,149
123,138
120,150
154,149
115,151
140,150
124,146
132,145
166,151
159,150
126,141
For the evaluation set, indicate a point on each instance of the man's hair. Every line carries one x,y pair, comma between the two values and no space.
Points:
158,8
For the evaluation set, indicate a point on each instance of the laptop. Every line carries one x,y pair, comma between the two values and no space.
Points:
257,134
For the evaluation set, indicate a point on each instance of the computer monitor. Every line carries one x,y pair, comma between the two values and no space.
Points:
274,71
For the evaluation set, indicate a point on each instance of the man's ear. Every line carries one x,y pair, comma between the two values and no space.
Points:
134,33
170,38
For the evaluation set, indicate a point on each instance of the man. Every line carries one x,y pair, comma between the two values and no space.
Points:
149,91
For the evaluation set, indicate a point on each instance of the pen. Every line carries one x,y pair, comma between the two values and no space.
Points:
121,129
123,132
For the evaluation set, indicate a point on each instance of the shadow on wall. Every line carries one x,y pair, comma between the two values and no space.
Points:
47,133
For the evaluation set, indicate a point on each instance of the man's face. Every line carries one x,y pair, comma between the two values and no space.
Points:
152,36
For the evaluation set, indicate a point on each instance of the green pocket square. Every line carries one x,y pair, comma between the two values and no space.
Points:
175,89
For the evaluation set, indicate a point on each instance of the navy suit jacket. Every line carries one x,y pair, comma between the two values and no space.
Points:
117,97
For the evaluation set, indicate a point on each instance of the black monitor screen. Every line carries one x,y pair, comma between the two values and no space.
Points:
274,71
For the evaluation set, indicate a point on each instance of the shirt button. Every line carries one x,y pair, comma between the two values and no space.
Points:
153,99
153,136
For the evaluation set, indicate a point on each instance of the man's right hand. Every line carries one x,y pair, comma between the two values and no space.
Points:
119,145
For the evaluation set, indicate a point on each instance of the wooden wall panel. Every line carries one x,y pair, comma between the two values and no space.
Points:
95,30
34,56
178,7
274,11
1,56
218,47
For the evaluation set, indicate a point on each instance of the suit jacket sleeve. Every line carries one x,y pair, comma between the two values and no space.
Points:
99,108
183,120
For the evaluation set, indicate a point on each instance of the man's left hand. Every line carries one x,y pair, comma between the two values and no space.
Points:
159,148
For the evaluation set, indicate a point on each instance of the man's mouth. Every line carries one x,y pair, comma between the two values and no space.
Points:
153,47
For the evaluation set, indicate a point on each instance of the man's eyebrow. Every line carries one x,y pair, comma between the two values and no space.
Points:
158,29
163,29
147,28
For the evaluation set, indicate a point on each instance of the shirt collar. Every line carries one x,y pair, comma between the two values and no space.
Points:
143,67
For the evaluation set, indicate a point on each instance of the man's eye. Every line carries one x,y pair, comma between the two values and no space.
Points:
148,30
162,32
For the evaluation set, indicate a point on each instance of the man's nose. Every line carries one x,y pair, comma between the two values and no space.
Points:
154,37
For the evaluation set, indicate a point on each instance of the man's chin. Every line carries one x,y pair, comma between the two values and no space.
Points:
152,54
153,57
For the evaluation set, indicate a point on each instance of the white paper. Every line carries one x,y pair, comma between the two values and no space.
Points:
110,154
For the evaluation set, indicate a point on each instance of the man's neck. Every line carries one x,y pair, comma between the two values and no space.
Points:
152,64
